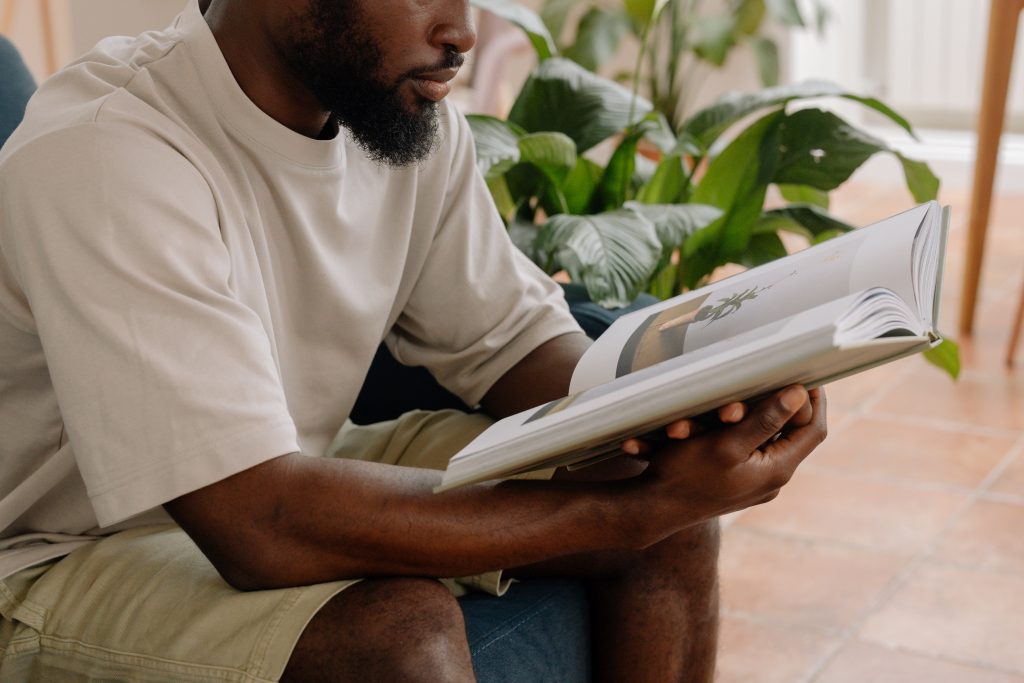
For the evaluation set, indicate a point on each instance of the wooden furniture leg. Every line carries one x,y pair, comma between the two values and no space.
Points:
1002,34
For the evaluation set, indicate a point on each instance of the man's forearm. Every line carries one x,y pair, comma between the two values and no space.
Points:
338,519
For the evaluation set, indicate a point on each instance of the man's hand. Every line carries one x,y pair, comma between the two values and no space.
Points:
736,465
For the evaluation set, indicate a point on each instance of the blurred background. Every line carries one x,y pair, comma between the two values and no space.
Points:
897,552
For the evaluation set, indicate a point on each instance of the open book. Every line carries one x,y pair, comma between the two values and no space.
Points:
837,308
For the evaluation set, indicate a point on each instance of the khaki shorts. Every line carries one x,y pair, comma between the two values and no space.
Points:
146,605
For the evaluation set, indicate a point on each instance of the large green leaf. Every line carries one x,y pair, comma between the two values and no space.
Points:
613,254
734,182
708,123
562,96
527,20
497,144
821,150
598,37
946,356
674,223
553,153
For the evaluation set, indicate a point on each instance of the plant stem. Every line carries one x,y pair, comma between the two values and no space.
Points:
636,70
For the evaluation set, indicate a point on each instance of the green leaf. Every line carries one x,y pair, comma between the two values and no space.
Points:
618,174
708,123
803,194
821,150
674,223
502,197
763,248
807,220
562,96
666,184
826,236
785,11
524,235
527,20
923,184
713,36
883,109
598,37
767,53
497,144
733,182
946,356
553,153
749,15
643,12
613,254
580,185
554,13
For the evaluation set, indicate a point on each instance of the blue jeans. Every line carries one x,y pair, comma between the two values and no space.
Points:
538,632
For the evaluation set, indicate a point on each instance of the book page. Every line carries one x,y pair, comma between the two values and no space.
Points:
879,255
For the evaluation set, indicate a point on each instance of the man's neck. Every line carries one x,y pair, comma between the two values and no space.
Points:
260,70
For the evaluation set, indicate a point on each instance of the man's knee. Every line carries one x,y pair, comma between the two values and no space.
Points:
404,629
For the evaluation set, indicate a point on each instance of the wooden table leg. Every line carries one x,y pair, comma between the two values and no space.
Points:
1002,34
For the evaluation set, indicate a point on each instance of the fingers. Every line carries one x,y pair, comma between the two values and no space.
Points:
732,413
762,423
790,450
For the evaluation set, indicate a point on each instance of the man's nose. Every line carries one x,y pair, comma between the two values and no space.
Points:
455,29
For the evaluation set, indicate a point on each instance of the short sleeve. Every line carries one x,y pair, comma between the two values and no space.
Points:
479,305
165,381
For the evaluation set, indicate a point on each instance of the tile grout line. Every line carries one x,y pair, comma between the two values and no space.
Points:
915,562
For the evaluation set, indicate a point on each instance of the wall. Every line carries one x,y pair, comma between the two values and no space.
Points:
80,24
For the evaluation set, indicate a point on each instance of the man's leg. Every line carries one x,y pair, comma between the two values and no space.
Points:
654,613
401,629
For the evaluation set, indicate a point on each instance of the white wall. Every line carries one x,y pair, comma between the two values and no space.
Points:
79,24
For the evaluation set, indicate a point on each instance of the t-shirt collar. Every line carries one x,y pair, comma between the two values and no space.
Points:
239,112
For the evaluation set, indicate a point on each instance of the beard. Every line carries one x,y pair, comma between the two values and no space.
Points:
332,53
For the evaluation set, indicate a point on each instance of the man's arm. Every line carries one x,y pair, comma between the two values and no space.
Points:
296,520
542,376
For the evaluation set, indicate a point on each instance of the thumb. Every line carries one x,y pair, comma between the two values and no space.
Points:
768,418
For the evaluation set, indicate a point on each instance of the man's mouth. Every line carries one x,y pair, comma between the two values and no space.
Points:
434,85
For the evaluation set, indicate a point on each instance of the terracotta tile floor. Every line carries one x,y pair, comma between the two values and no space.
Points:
896,554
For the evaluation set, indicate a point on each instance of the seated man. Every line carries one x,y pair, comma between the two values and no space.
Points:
205,234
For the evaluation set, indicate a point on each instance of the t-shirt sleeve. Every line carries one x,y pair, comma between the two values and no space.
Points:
479,305
165,381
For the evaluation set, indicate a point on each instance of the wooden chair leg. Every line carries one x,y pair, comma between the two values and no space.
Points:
1002,34
1011,352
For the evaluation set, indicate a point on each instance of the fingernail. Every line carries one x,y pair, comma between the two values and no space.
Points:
631,448
793,398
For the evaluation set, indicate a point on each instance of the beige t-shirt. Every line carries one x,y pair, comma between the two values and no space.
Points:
188,288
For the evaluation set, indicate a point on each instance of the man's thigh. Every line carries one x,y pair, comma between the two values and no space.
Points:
146,605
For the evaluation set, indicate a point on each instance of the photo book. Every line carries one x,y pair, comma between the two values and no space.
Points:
840,307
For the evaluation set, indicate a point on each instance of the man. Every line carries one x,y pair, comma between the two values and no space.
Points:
205,234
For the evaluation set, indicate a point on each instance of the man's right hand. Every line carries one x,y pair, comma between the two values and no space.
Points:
736,465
